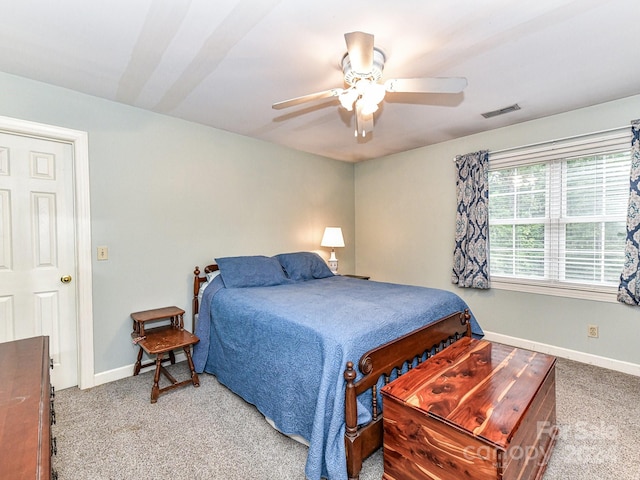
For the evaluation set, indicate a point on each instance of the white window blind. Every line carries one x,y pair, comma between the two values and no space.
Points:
557,212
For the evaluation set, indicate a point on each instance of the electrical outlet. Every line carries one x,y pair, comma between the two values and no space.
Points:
103,253
592,331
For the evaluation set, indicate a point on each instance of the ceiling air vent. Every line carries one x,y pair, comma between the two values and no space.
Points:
502,111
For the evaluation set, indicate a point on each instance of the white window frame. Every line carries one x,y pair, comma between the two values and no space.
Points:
613,140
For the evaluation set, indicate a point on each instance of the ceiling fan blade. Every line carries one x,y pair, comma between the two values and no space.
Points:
360,49
334,92
426,85
364,122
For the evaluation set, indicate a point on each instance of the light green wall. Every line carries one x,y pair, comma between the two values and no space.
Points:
167,195
405,215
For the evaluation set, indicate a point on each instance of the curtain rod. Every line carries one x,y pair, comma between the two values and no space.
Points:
538,144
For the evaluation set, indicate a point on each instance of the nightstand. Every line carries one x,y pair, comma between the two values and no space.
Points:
361,277
161,340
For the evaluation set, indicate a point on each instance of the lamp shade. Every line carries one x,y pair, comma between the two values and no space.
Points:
332,237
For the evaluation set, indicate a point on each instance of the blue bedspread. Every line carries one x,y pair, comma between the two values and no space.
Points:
284,348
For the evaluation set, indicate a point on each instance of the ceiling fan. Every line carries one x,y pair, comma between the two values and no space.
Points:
362,66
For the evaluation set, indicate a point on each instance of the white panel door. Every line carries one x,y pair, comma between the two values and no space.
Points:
37,248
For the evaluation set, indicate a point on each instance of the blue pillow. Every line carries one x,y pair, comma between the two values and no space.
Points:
304,266
251,271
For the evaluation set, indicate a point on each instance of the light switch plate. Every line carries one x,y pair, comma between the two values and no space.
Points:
103,253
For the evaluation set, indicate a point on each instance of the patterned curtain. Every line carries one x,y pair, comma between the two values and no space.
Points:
470,262
629,289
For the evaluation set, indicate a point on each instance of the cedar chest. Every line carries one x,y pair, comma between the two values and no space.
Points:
476,410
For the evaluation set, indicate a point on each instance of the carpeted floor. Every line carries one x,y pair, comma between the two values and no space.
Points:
113,432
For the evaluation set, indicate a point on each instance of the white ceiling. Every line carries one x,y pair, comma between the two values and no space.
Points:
223,63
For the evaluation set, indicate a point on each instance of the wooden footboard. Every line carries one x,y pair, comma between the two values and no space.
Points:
362,441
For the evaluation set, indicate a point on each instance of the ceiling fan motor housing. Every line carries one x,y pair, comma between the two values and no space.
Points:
352,77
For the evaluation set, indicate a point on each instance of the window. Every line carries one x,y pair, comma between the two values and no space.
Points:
557,215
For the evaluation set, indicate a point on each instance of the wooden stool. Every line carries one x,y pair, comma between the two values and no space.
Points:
161,340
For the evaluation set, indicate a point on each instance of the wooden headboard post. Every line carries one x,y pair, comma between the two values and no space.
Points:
197,283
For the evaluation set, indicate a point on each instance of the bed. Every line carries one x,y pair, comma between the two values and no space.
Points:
311,349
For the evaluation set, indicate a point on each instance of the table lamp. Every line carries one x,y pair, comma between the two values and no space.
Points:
332,238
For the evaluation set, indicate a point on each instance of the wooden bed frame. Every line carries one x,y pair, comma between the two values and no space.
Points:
363,440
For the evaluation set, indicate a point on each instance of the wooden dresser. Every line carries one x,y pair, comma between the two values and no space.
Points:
26,410
476,410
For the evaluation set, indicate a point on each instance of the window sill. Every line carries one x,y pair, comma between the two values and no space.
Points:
583,292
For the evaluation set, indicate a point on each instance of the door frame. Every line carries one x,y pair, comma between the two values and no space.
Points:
82,226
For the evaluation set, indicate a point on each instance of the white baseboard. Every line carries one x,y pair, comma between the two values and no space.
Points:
126,371
604,362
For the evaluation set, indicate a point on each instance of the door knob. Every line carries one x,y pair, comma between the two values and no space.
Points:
65,279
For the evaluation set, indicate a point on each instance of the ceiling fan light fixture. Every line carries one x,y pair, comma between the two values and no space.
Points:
369,101
365,94
368,107
374,93
347,98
